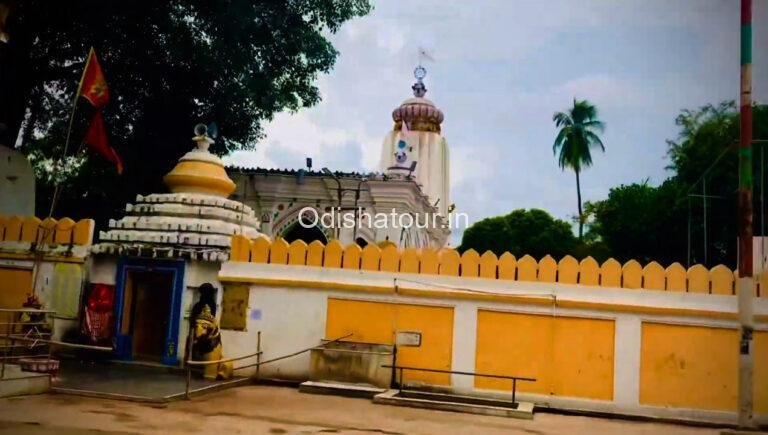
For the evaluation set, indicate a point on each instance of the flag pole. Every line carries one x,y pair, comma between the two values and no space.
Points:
57,185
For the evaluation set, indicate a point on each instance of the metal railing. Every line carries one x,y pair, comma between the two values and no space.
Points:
191,363
25,333
455,372
31,339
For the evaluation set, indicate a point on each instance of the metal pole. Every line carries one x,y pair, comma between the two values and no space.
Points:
762,209
688,264
53,331
704,199
357,200
258,354
746,360
514,390
7,345
189,381
188,356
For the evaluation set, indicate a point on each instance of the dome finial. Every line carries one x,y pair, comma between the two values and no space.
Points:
199,171
419,90
201,138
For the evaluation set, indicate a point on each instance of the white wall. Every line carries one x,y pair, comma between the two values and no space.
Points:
17,184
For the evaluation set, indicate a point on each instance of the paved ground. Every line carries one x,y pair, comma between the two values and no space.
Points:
129,379
282,410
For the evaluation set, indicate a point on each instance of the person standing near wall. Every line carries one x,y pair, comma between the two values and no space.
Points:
207,296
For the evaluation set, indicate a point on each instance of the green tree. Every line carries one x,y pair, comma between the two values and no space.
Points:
639,221
169,65
534,232
578,134
696,206
704,163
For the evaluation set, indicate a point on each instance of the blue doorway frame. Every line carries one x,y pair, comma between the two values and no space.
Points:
123,342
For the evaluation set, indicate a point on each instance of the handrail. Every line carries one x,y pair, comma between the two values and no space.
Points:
257,364
292,354
25,310
204,363
367,352
456,372
62,343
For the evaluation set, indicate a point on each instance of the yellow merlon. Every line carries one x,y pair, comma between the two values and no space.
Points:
719,280
49,231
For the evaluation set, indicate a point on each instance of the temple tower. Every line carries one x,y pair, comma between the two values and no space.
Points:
416,148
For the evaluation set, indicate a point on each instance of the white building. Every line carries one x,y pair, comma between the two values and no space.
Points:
407,203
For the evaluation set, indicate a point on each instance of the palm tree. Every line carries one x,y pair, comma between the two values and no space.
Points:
577,136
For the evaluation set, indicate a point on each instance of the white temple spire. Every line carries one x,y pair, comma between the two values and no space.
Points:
416,148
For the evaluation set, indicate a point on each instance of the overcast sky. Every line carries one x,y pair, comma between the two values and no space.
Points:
501,69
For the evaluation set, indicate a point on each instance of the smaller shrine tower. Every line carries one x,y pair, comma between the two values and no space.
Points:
153,262
416,148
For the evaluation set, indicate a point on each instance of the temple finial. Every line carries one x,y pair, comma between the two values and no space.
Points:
419,90
201,138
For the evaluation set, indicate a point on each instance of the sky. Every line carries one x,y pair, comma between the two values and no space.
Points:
500,70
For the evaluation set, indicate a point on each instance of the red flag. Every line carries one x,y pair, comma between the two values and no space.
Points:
96,137
93,87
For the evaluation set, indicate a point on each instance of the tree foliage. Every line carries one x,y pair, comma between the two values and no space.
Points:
641,222
169,65
654,222
534,232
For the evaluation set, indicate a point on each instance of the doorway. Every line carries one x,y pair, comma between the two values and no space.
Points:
147,299
148,310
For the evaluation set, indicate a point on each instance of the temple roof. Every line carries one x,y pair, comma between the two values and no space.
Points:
371,176
195,221
286,171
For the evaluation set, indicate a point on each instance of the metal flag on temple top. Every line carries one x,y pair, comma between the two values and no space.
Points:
423,55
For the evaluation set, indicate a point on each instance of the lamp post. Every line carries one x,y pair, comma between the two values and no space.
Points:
357,199
340,191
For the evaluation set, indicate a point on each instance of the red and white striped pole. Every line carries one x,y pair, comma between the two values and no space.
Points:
746,351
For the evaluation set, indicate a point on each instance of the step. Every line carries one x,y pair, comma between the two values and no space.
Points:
456,403
340,389
16,382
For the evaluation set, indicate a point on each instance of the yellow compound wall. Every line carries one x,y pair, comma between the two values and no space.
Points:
697,367
15,285
377,322
568,356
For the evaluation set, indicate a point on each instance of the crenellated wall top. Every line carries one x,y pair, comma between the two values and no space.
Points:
718,280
